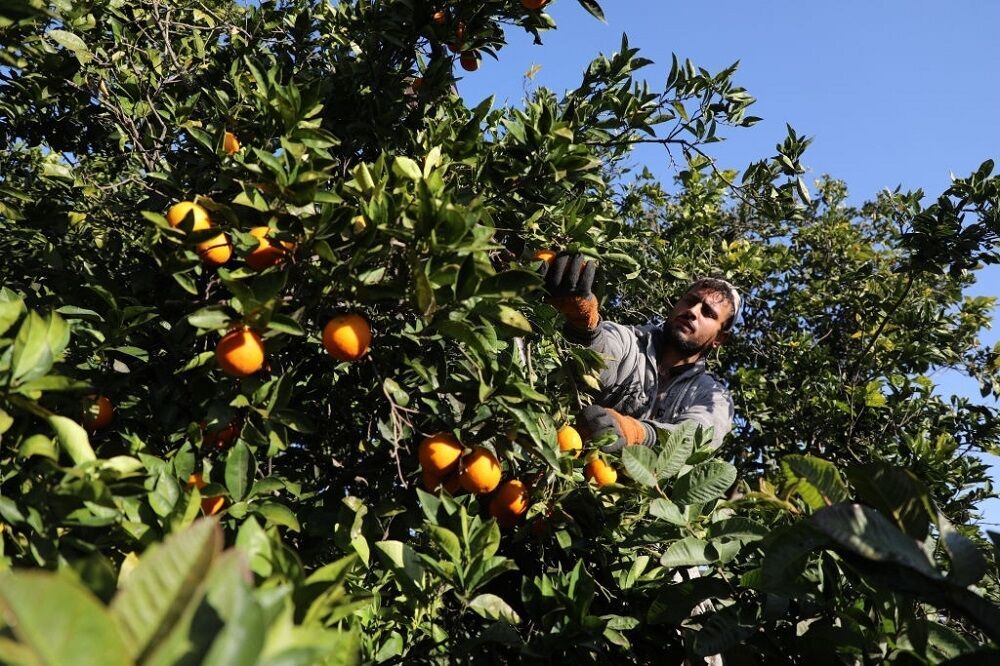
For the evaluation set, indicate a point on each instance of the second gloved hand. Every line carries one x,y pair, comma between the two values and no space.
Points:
595,421
569,279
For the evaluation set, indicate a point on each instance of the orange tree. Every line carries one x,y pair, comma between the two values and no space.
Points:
352,271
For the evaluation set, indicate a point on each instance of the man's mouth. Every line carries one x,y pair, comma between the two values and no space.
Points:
684,326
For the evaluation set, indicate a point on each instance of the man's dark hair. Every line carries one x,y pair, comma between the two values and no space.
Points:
728,291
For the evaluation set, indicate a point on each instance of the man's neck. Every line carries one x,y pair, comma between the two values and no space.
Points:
671,358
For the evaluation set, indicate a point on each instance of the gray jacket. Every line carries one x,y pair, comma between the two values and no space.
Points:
631,383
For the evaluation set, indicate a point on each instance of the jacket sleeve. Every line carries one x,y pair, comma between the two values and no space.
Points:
626,366
711,408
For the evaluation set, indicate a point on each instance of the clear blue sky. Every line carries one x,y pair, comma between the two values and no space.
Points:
893,93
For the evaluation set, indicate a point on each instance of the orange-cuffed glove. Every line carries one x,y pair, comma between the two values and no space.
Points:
595,421
569,279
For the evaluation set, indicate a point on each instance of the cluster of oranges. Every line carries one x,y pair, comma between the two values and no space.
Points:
241,352
444,465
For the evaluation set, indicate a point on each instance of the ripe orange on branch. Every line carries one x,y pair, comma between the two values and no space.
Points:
534,5
480,471
98,413
439,454
569,440
230,144
509,503
469,60
266,254
600,472
545,255
216,250
179,211
240,353
209,505
347,337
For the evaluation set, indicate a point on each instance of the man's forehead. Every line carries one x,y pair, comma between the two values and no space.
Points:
710,296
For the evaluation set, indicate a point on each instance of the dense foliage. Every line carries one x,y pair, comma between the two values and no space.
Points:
835,525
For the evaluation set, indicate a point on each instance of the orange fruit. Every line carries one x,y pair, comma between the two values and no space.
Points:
347,337
509,503
480,471
230,144
240,353
452,484
431,479
358,225
439,17
459,37
534,5
265,254
600,472
469,60
569,440
215,251
209,505
220,439
179,211
439,454
98,413
545,255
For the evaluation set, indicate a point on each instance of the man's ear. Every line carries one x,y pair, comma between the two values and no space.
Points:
720,339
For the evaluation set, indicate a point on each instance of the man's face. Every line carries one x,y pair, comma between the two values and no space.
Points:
695,323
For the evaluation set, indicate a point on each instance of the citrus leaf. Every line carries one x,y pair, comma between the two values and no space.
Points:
689,551
705,482
72,438
639,463
57,621
866,532
159,589
493,607
816,481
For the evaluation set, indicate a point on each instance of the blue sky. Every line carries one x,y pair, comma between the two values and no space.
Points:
893,93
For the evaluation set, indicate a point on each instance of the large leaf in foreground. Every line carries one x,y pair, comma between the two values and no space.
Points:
59,622
165,581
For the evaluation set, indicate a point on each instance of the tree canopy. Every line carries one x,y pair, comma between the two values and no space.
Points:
364,242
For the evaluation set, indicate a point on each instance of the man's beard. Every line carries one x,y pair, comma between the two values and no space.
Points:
685,347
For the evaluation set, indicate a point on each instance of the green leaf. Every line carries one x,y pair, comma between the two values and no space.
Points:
897,493
677,446
666,510
705,482
238,463
640,463
212,318
687,552
404,563
725,629
278,514
968,565
285,324
866,532
674,603
73,43
492,607
407,168
157,592
72,438
10,312
510,317
593,8
38,445
57,621
446,540
815,480
33,356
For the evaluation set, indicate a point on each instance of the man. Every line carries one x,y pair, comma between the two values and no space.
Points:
654,376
